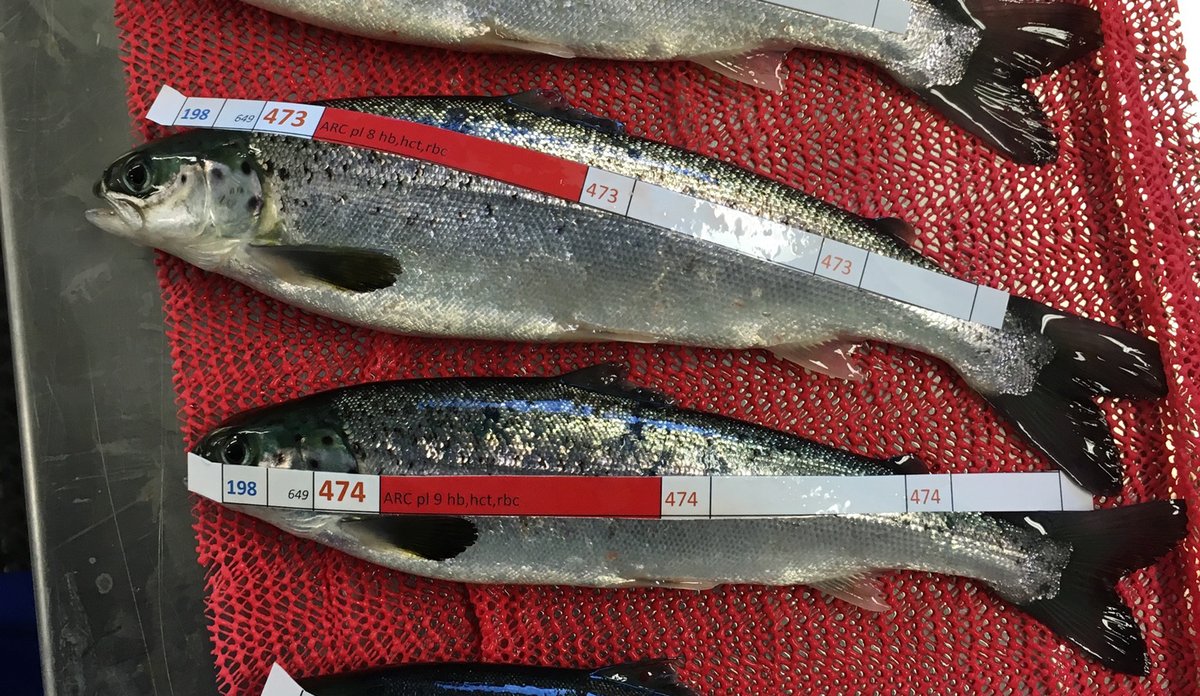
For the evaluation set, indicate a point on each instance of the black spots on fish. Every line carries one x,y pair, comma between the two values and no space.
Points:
329,173
314,464
637,430
492,413
246,168
283,174
254,205
217,174
411,220
489,210
634,153
376,210
183,178
327,440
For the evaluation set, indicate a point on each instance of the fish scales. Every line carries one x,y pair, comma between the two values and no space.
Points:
1061,567
530,256
401,244
968,59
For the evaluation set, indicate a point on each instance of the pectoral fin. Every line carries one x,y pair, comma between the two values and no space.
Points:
833,359
758,68
355,270
436,538
860,590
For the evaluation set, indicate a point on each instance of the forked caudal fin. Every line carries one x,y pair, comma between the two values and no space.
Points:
1105,546
1059,416
1018,40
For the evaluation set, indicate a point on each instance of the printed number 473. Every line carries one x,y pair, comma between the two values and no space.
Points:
836,264
600,192
286,117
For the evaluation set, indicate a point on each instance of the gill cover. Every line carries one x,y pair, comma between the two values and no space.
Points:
190,194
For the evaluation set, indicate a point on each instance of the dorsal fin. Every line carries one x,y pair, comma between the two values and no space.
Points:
551,102
895,228
657,676
610,379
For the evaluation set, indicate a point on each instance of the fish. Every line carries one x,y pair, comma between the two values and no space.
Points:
1060,567
414,247
646,678
967,59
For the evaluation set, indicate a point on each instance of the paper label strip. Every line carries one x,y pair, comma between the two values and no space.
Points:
888,15
741,232
650,497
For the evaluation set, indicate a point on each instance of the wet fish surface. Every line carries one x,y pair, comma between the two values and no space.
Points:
649,678
968,59
1060,566
409,246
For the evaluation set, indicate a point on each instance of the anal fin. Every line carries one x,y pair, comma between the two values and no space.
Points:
860,590
762,69
832,359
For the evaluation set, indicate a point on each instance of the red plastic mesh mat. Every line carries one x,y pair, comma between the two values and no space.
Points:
1106,232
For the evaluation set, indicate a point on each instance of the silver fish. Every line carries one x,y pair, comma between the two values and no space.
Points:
1060,567
966,58
403,245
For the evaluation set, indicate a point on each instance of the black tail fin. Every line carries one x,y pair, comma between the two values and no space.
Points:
1019,40
1105,545
1058,415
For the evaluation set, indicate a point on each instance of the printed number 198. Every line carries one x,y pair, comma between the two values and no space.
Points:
286,117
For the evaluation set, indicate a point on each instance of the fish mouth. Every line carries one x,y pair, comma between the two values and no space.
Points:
115,218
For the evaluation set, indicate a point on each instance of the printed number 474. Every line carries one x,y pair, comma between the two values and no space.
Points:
681,498
924,496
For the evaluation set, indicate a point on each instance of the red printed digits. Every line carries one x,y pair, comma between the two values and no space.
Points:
837,264
603,193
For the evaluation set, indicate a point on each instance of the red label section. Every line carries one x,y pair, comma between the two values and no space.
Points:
508,163
557,496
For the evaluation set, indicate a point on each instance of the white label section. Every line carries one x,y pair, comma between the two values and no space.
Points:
929,493
919,286
1009,492
733,229
289,119
204,477
841,262
769,496
990,306
244,485
889,15
166,106
607,190
686,496
199,112
240,114
290,488
280,683
348,492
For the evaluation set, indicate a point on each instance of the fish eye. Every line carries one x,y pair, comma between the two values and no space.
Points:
236,452
136,177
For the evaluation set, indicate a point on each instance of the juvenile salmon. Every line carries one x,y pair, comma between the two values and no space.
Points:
968,59
409,246
1059,566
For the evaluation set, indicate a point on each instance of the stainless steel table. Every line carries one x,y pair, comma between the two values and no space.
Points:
119,591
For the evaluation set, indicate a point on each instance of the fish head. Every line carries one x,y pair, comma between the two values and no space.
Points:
283,437
197,195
